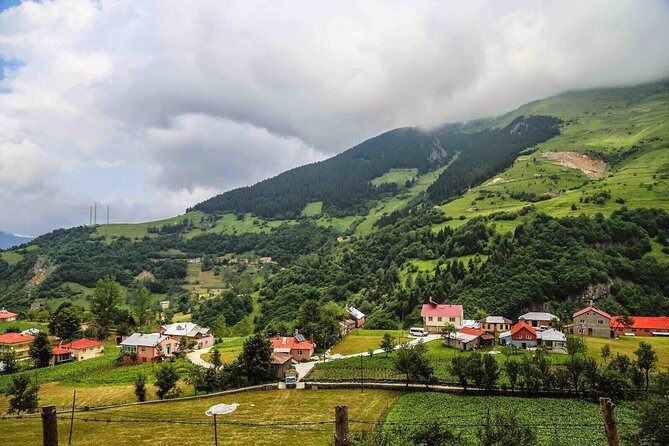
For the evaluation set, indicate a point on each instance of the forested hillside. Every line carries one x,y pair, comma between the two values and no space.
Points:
561,201
344,183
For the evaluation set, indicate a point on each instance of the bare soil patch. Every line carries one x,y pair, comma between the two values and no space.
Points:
592,168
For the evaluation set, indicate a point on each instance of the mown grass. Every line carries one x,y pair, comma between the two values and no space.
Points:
140,230
22,325
11,257
361,341
229,348
288,407
397,176
313,209
627,345
574,421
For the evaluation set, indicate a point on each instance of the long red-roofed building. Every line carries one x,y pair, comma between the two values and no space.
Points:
641,326
83,349
436,316
296,346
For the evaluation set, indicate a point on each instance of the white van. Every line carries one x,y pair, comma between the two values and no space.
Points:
417,332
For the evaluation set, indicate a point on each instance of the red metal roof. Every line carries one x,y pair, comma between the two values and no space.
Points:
60,351
446,310
82,343
4,314
471,331
643,322
291,343
15,338
596,310
520,325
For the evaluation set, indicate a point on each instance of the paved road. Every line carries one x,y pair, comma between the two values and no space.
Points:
196,357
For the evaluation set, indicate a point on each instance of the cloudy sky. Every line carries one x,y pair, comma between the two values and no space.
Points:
154,106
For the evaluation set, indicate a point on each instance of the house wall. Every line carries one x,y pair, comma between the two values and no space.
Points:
204,342
81,354
280,370
638,331
434,324
537,323
299,355
521,340
495,329
8,319
20,348
593,325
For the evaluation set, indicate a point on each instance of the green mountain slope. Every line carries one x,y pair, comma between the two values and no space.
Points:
418,200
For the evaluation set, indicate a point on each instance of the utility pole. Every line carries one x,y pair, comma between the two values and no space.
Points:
610,427
341,426
74,398
107,214
49,426
362,377
90,215
95,213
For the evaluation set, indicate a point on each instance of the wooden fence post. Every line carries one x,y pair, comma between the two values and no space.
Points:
609,422
74,399
341,427
49,426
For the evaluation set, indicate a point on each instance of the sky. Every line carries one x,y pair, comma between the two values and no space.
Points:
153,106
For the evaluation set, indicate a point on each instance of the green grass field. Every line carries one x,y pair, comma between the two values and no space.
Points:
313,209
262,418
22,325
11,257
397,176
362,340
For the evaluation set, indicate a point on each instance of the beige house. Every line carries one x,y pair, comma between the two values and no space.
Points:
495,325
83,349
437,316
592,321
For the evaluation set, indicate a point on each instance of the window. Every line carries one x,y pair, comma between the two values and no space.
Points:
439,319
429,319
452,319
143,349
600,322
520,337
299,352
582,321
528,337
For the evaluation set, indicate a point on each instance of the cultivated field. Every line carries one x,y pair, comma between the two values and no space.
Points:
362,340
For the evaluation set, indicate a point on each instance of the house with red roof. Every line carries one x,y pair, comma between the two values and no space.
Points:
521,335
297,346
16,342
591,321
83,349
467,338
60,355
640,326
436,316
7,316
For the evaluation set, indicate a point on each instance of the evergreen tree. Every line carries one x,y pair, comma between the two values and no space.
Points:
9,363
254,360
166,381
40,350
387,343
140,387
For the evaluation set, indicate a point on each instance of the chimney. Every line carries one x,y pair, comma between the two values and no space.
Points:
296,332
431,301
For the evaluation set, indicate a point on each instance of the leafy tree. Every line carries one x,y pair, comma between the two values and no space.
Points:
411,361
575,344
106,298
320,321
387,343
141,303
40,350
8,360
606,352
446,332
575,366
183,346
140,387
65,321
512,369
461,367
166,381
506,429
23,395
480,314
254,360
652,422
490,372
216,358
646,359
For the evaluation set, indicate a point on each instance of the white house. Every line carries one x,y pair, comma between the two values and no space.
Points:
201,335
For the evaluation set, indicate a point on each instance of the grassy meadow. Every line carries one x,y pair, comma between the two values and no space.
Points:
363,340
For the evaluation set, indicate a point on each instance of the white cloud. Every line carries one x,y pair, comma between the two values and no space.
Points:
186,99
